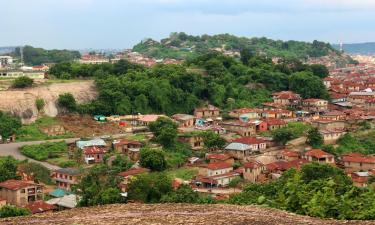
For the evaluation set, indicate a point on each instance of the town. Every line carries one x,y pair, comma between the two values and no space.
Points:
219,128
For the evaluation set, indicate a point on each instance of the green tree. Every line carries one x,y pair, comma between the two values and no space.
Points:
120,163
153,159
165,131
12,211
315,138
9,125
282,135
183,194
8,169
235,182
149,188
307,85
22,82
319,70
67,101
213,140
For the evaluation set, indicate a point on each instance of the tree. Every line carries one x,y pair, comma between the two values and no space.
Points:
183,194
282,135
235,182
307,85
120,163
152,159
315,138
12,211
39,103
165,131
149,188
8,169
67,101
213,140
319,70
246,55
22,82
9,125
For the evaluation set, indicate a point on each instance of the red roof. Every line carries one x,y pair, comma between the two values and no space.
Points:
219,156
218,165
133,171
318,153
358,158
286,95
39,206
249,140
126,142
94,150
275,122
15,184
253,165
289,153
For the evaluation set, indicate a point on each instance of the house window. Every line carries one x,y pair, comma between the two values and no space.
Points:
23,191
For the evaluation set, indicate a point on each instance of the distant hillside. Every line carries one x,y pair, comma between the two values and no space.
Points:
173,214
360,48
181,45
6,50
37,56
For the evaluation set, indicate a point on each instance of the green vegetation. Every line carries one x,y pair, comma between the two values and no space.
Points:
292,131
12,211
41,173
181,46
8,125
32,132
228,83
42,152
165,131
8,168
361,142
22,82
39,103
153,159
67,101
183,173
317,190
315,138
37,56
213,140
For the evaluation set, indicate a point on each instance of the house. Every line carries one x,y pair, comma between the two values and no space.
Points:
184,120
333,115
209,111
40,206
129,148
330,136
65,178
319,156
275,169
242,128
315,105
213,158
95,142
65,202
357,162
127,175
216,174
324,124
245,112
273,124
93,59
145,120
288,155
252,171
240,148
194,139
20,193
286,98
94,154
360,178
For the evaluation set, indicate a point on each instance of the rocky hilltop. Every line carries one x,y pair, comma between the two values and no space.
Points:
21,102
173,214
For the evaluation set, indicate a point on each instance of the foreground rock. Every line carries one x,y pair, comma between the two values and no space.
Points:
173,214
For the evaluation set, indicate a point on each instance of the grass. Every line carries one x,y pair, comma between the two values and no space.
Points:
32,132
44,151
184,173
62,161
138,137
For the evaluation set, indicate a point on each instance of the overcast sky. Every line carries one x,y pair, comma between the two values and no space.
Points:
123,23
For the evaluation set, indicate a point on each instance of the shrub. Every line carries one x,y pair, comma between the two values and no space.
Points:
67,101
22,82
40,104
11,211
44,151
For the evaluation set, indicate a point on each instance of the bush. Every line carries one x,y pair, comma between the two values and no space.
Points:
44,151
22,82
153,159
8,124
40,103
11,211
40,173
67,101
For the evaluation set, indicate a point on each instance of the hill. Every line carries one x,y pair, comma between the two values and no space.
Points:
6,50
181,45
358,48
172,214
37,56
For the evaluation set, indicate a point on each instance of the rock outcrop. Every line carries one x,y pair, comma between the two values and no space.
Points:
21,102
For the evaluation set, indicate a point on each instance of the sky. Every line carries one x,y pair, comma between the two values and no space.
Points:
78,24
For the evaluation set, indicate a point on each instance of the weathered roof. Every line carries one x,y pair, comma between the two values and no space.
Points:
318,153
133,171
94,142
218,165
68,201
15,184
39,207
238,146
58,193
